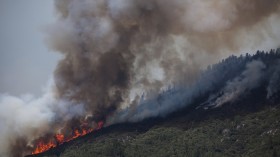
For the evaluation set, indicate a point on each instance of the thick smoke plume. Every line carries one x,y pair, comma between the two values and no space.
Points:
121,55
117,49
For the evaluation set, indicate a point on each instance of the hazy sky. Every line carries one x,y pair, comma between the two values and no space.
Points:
26,64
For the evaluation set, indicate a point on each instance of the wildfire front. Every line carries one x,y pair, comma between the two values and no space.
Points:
43,145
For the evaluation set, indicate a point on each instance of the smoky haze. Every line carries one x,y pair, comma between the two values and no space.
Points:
116,51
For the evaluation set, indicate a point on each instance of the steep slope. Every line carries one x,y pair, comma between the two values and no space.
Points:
250,127
256,134
252,134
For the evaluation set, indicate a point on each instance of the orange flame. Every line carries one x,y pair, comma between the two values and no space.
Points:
60,139
41,147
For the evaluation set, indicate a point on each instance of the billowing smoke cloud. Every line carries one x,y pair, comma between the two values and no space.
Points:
117,49
120,54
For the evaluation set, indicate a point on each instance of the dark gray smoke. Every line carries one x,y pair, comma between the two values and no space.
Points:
120,54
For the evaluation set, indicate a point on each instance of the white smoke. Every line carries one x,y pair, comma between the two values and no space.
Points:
27,118
248,80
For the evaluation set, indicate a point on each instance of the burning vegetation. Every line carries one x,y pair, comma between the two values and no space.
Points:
43,145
